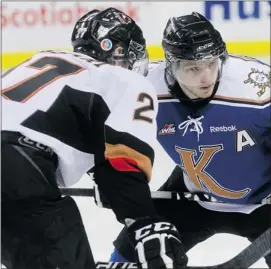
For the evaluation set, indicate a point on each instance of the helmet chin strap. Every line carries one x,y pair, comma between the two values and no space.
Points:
169,78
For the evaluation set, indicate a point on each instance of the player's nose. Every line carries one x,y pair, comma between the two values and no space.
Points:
205,76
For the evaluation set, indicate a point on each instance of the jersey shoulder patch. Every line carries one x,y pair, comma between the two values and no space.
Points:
245,80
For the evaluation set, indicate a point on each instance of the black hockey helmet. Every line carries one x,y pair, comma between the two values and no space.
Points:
111,36
192,37
192,40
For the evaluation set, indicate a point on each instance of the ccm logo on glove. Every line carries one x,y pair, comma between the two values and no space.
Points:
155,227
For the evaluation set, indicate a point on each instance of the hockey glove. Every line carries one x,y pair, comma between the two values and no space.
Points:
157,243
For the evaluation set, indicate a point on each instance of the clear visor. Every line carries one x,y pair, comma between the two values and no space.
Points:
197,73
141,64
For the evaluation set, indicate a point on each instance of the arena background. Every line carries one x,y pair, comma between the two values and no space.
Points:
28,27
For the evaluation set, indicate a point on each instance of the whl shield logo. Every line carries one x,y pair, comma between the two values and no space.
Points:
168,129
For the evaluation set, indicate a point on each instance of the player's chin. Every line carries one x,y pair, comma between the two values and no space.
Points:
206,94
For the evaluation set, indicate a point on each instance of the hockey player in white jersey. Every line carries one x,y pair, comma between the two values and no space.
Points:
214,121
64,113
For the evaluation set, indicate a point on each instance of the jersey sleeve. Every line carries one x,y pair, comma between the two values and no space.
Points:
131,129
130,133
260,80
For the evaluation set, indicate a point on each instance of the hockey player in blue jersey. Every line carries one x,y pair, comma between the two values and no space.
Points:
214,123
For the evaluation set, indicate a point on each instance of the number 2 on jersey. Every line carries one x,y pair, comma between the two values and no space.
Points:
138,112
50,69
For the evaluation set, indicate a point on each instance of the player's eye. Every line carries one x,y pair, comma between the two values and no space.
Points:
193,69
212,64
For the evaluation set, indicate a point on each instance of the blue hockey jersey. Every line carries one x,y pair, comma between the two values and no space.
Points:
221,148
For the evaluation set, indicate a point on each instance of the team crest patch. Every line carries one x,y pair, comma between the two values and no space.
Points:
168,129
259,79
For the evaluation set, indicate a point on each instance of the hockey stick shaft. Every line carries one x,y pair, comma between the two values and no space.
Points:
258,249
155,195
78,192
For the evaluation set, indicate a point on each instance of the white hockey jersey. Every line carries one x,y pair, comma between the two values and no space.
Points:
65,100
221,150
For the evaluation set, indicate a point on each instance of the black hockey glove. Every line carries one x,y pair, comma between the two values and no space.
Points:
157,244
